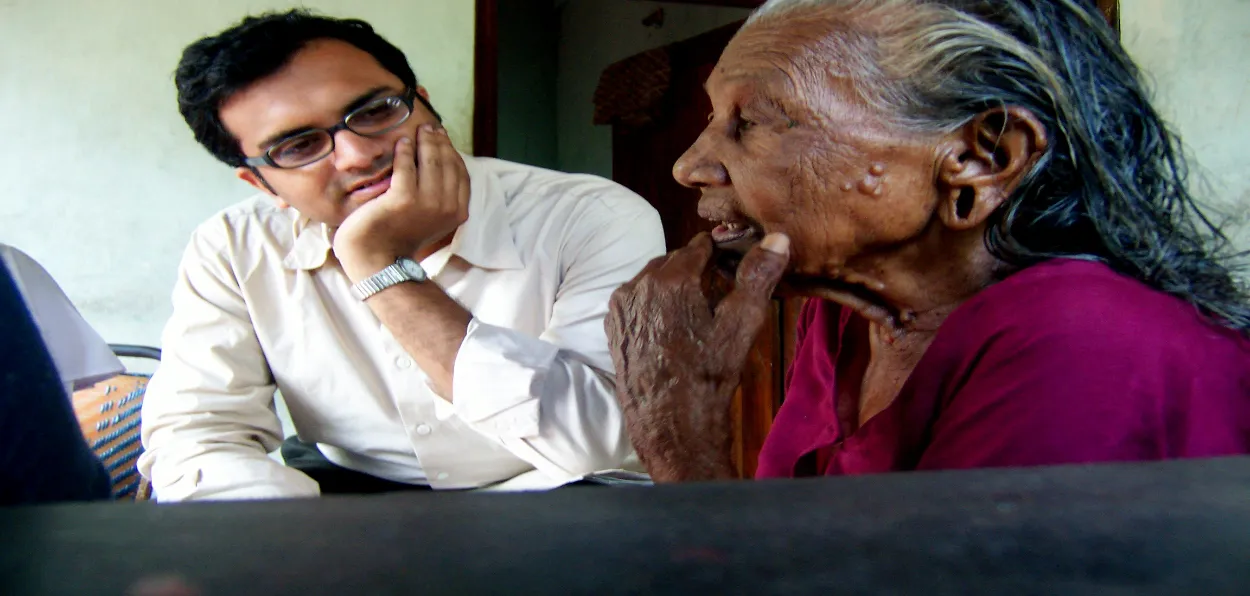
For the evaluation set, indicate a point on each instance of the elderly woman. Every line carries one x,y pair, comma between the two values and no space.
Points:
1003,262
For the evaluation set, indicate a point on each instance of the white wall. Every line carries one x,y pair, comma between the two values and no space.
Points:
1197,53
593,35
100,179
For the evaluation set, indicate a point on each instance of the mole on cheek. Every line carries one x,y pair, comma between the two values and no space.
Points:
871,184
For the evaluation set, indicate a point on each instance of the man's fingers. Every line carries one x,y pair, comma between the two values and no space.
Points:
456,175
404,168
447,157
464,191
430,158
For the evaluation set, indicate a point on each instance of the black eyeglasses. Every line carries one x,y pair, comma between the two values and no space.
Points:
377,117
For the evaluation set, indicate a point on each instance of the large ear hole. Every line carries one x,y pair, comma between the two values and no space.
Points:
965,203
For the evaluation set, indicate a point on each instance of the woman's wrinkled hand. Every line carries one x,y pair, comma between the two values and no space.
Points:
679,349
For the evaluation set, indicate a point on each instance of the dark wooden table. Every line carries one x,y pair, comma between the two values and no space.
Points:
1168,528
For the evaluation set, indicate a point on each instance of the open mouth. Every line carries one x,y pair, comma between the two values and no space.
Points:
371,188
733,239
736,237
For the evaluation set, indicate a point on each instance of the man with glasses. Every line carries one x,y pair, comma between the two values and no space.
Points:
432,320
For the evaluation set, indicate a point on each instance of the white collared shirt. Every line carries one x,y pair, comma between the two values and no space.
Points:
261,304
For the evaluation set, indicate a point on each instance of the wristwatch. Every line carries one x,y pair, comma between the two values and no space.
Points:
402,270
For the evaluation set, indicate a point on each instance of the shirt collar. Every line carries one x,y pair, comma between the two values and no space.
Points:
484,240
312,244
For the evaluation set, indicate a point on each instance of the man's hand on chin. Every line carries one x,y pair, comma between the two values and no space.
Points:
417,210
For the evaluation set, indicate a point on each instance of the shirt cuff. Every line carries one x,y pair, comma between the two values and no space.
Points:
230,477
498,379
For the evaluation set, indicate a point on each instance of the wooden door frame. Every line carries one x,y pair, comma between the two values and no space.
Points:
486,79
1111,10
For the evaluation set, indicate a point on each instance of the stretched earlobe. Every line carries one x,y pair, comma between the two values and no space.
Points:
965,203
985,161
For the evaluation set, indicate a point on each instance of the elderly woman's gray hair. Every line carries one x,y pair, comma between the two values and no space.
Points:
1112,185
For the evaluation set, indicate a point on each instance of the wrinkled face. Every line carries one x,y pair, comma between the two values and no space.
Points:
321,84
789,148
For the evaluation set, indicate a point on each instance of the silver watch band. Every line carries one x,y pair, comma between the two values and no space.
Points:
393,274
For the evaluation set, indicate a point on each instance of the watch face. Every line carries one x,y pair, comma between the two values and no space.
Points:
413,269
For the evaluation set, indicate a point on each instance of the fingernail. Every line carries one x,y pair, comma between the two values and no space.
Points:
405,140
776,242
427,127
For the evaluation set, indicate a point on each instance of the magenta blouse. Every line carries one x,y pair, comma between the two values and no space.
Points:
1063,362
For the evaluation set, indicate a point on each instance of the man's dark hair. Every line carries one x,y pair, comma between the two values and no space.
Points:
216,67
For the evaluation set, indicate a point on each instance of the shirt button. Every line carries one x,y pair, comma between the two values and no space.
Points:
403,362
442,475
424,429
